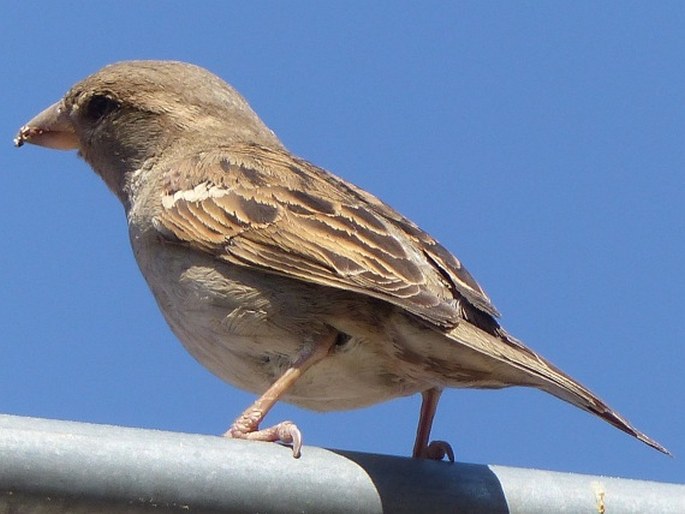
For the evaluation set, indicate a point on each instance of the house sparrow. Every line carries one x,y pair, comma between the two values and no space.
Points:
278,276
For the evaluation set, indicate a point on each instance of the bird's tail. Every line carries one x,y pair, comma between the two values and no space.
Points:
540,373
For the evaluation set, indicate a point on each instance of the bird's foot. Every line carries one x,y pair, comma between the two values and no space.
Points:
436,450
285,432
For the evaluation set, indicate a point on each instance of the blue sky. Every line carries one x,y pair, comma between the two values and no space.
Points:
541,142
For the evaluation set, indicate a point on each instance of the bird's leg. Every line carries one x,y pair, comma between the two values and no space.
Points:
435,450
246,426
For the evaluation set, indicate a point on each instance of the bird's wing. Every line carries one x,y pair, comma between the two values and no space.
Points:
265,209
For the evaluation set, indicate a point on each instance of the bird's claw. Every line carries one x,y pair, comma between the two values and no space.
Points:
285,432
438,450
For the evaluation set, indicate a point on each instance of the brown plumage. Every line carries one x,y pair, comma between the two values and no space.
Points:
277,275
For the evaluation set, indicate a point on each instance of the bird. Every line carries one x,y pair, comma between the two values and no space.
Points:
278,276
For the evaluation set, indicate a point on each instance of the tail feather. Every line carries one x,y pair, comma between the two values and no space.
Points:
533,370
566,388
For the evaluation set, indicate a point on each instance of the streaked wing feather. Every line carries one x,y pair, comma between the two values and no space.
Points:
262,208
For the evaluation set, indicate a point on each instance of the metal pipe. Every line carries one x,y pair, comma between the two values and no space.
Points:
59,466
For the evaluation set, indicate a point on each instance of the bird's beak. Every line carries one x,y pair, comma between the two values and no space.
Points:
52,128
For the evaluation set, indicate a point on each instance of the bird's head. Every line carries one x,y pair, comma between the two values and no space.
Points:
128,115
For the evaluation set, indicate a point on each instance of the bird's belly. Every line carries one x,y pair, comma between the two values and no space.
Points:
247,328
244,348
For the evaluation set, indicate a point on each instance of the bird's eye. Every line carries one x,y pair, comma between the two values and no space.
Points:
99,106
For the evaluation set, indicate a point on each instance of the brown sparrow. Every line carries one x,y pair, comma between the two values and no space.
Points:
276,275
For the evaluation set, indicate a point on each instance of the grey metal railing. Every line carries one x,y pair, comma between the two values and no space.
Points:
59,467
